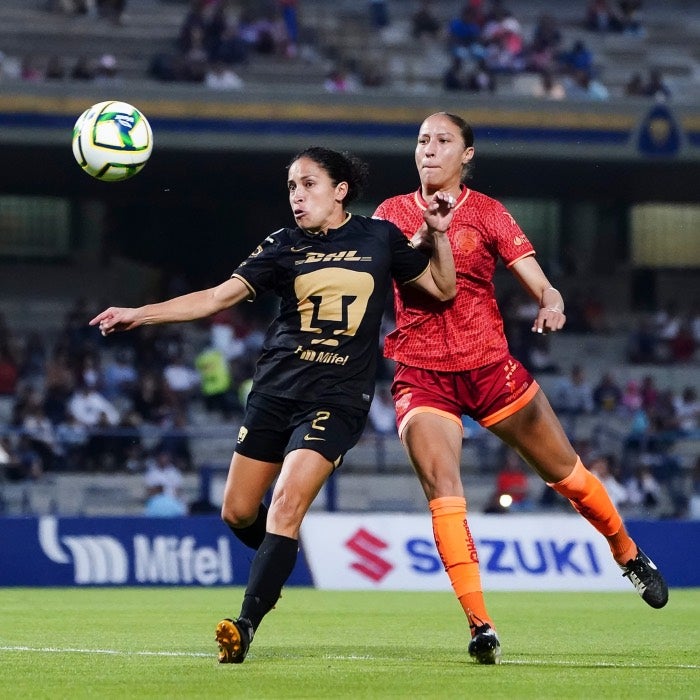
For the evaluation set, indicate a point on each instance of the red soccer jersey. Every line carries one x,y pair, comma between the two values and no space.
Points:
466,332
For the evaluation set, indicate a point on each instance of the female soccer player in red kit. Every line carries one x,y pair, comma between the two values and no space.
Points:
452,359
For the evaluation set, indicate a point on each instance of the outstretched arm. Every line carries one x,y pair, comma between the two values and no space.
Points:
184,308
440,279
550,316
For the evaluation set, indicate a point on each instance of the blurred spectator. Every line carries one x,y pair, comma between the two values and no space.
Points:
382,415
580,85
83,69
232,48
424,22
291,24
642,346
113,10
162,474
643,490
163,505
76,333
55,68
573,394
695,323
464,32
373,73
549,87
120,376
683,345
635,85
481,78
32,366
30,71
667,324
90,407
539,356
59,384
72,436
649,393
181,381
455,77
175,440
545,45
598,15
20,460
89,370
686,408
202,28
621,16
629,17
219,76
340,80
227,334
607,394
215,377
656,86
632,397
379,14
504,43
605,468
149,399
577,60
40,432
9,371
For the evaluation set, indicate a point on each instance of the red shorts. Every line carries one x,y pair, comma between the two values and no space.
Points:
487,394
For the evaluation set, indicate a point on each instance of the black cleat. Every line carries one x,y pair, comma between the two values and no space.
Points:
234,638
484,647
647,579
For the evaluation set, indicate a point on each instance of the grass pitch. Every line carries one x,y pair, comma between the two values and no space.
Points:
159,643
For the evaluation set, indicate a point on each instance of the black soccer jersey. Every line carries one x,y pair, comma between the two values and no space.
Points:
323,345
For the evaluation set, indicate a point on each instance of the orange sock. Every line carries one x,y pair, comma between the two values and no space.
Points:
458,553
589,497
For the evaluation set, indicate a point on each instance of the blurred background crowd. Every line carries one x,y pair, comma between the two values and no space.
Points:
588,49
162,402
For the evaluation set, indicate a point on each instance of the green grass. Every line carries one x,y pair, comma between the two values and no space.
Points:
158,643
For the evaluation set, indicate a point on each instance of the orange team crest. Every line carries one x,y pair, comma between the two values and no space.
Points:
466,239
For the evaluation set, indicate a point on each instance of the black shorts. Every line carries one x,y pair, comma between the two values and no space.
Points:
272,427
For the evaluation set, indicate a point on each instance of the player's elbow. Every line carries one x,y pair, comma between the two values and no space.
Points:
447,292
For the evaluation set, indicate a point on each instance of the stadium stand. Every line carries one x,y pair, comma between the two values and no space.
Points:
340,33
332,33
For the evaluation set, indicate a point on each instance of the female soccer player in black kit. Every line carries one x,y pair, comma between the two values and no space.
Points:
314,379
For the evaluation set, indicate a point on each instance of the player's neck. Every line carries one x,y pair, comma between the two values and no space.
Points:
454,190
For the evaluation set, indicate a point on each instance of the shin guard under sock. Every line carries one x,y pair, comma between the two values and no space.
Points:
253,535
588,496
457,550
271,567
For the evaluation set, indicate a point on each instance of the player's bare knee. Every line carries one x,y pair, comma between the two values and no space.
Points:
235,517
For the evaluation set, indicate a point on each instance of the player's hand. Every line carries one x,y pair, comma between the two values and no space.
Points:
549,319
438,215
423,240
115,319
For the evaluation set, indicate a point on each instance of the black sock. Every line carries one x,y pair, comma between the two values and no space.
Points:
271,567
253,535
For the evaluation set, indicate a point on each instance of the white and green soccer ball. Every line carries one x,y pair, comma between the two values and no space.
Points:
112,141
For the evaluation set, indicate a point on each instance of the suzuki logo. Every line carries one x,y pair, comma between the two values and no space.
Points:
366,546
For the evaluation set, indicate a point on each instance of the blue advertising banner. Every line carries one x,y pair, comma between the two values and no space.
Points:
342,550
136,551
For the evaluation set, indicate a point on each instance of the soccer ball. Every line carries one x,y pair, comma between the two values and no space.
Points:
112,141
